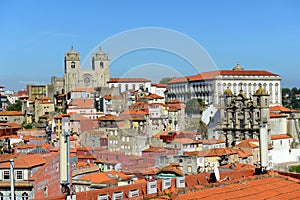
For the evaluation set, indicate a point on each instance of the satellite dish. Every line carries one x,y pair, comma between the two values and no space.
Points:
217,173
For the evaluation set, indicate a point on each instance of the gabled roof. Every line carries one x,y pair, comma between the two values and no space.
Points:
153,96
154,149
243,154
109,177
83,103
246,143
134,112
280,108
159,85
172,168
25,161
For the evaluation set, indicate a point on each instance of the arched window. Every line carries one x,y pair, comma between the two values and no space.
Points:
25,196
101,64
73,64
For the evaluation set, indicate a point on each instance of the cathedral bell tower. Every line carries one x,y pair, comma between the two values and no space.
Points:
100,60
72,61
100,64
72,70
261,100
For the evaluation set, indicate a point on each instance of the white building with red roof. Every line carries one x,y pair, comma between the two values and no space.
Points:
125,84
209,86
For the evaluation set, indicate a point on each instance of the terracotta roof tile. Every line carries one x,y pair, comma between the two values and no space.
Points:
212,74
246,143
153,96
213,152
11,113
262,188
280,108
25,161
212,141
158,85
83,103
105,177
281,136
124,80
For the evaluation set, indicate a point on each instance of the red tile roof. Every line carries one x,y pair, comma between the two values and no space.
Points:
25,161
241,184
173,168
127,80
280,108
83,103
212,141
106,177
212,74
246,143
265,187
158,85
281,136
11,113
217,152
134,112
243,154
153,96
185,141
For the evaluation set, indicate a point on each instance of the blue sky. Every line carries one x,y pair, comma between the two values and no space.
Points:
36,34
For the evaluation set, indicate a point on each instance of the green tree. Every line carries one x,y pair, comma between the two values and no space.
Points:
295,168
194,106
15,107
165,80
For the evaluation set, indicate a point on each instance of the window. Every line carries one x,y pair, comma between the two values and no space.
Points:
19,175
1,196
72,64
101,64
45,191
25,196
6,175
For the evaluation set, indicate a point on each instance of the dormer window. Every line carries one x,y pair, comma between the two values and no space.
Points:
73,64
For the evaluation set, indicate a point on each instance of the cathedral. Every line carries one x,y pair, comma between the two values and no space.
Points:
76,77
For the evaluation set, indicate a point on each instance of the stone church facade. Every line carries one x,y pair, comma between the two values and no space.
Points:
76,77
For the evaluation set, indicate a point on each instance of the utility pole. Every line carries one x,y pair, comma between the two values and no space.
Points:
12,178
65,175
263,147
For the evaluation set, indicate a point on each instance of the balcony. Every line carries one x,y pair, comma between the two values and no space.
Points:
18,183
